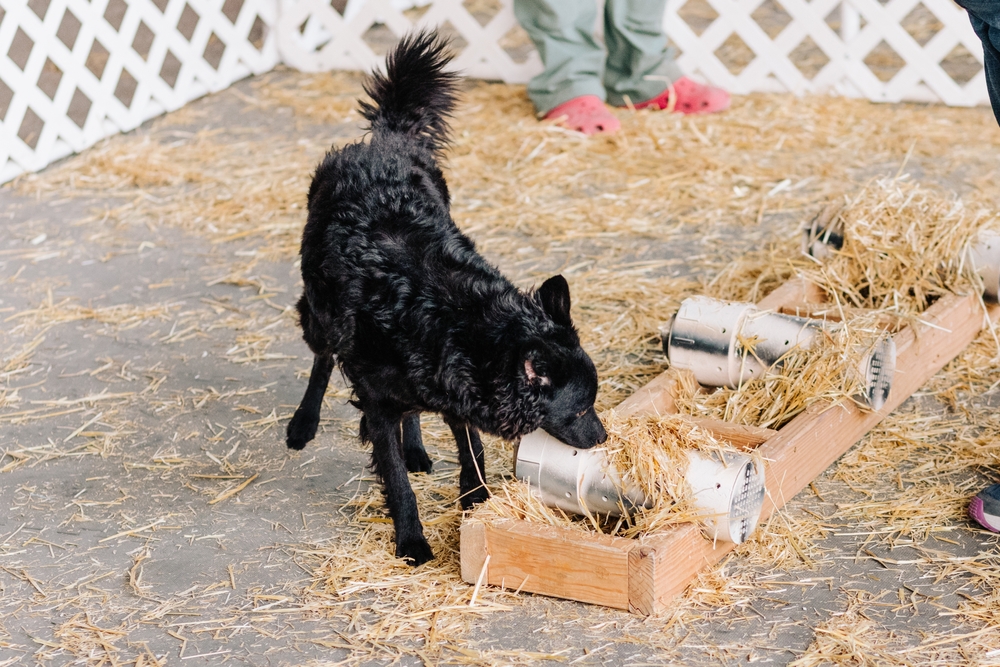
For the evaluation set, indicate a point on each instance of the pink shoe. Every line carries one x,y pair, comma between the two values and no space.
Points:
692,97
587,114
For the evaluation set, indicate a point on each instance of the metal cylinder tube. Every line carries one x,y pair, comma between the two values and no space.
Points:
701,335
579,481
878,366
727,489
773,335
726,344
984,257
824,234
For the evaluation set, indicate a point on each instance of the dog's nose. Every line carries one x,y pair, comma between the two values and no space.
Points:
603,437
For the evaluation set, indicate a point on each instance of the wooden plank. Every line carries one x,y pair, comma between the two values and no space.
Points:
678,555
834,313
793,292
738,435
826,432
550,560
654,398
657,398
472,549
641,580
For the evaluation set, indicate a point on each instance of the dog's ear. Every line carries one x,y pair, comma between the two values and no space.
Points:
554,297
536,371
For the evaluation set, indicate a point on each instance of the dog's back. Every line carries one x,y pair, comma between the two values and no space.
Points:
390,281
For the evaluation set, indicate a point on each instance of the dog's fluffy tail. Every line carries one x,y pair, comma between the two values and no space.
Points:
416,95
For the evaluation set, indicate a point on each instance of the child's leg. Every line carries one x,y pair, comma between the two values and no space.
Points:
641,69
563,33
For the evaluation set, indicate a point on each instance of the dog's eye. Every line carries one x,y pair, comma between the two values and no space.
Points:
582,413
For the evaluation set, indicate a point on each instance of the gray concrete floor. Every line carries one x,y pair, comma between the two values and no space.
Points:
123,435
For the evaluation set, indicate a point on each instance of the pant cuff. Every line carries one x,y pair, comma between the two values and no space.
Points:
646,88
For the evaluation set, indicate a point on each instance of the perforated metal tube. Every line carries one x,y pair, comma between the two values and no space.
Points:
709,337
727,489
824,234
984,257
579,481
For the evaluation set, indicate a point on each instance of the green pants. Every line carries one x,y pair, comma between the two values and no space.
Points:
637,65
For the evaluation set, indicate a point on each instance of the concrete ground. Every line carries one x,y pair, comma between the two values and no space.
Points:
151,514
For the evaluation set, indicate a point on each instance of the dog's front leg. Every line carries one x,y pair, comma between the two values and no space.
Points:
472,478
413,445
387,462
302,427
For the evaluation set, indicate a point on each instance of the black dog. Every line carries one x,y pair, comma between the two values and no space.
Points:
416,319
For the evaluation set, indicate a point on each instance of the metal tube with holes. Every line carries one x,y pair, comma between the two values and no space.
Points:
727,489
984,258
824,235
726,344
579,481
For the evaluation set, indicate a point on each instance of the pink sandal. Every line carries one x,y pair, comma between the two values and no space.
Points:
691,98
586,114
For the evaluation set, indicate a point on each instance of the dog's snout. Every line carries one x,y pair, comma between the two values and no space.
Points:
593,433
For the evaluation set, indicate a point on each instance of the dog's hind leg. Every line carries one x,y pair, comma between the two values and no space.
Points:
472,478
382,431
302,427
413,445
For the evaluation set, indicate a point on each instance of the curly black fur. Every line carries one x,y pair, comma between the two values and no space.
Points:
416,319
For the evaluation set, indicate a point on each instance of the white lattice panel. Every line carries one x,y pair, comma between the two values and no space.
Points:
864,25
312,36
76,71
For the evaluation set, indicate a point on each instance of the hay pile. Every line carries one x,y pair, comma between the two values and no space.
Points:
903,249
391,608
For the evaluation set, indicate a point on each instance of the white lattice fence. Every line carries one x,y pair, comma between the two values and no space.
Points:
849,36
312,36
75,71
917,34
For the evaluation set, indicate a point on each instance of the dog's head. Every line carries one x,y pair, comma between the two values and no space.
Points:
558,368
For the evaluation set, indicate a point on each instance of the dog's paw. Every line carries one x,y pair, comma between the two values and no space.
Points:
301,429
415,550
472,498
417,460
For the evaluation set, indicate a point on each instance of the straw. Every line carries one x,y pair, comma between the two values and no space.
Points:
671,206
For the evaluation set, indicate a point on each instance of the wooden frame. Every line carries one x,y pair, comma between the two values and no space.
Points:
642,575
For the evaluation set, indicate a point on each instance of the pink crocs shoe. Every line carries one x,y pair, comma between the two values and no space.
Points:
691,98
586,114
